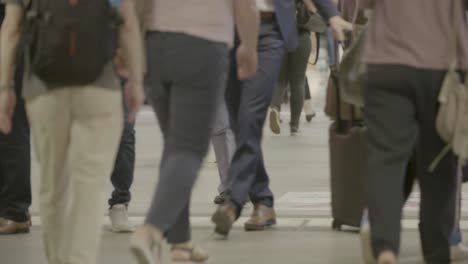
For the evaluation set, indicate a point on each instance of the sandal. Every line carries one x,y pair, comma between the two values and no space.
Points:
195,254
147,250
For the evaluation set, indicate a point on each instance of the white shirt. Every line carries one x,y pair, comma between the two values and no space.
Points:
266,5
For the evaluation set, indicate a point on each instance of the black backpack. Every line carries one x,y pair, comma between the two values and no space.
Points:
69,42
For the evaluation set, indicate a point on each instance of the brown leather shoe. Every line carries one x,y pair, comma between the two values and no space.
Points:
224,218
8,227
262,217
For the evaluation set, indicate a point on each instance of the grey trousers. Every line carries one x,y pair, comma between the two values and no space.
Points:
185,77
400,110
293,73
223,143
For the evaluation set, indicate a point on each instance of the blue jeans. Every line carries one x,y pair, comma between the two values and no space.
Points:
122,176
15,163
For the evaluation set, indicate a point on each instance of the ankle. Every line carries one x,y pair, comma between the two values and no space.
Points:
150,232
387,257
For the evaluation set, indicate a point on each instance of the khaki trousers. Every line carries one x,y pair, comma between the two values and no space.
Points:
76,132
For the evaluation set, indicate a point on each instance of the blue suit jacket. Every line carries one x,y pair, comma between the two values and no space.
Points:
286,17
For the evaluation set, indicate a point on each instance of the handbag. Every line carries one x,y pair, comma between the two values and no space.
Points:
352,69
452,116
309,21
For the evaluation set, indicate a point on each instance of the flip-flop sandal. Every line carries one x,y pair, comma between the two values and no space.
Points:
195,254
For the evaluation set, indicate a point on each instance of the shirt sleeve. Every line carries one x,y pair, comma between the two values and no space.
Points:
326,8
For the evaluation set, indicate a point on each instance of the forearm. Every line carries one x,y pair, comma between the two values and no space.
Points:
9,39
310,6
131,44
326,9
247,21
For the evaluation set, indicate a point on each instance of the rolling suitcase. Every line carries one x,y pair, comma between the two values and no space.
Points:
347,163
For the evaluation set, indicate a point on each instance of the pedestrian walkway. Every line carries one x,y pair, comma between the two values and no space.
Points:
300,181
293,246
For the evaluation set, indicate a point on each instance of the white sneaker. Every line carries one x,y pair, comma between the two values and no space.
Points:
366,245
120,223
459,252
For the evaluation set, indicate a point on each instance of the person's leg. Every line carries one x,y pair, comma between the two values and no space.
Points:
16,186
186,116
122,175
279,92
298,66
307,95
49,116
96,129
223,144
15,168
282,84
391,135
438,188
308,108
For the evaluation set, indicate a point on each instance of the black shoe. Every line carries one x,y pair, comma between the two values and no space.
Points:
220,199
294,130
309,117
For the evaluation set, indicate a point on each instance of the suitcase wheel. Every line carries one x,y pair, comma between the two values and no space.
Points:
336,225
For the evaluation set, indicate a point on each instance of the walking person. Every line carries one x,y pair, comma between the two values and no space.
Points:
406,67
187,47
293,72
248,103
15,166
73,101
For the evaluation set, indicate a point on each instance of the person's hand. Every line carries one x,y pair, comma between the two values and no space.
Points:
7,108
247,59
339,27
135,98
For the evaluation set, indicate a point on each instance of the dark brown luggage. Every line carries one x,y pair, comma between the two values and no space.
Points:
347,162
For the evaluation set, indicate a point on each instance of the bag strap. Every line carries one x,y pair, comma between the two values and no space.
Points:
356,12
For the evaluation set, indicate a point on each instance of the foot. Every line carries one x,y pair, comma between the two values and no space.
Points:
294,131
387,257
188,252
224,218
9,227
459,252
120,223
275,121
310,113
262,218
145,245
220,199
309,117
